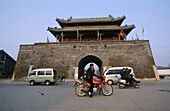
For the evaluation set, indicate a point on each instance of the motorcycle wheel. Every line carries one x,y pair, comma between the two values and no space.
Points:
79,91
107,90
120,86
136,85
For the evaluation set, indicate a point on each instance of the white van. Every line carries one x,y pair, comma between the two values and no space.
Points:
44,75
113,74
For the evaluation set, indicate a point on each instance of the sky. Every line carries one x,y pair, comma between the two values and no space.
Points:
26,21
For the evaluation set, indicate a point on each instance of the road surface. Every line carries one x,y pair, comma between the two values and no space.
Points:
19,96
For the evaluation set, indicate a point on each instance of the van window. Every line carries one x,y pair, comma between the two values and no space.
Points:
113,72
32,73
105,71
40,72
48,73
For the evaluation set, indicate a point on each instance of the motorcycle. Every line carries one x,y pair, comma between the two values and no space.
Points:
133,82
82,87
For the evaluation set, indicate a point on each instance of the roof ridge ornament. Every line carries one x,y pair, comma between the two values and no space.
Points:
70,18
110,16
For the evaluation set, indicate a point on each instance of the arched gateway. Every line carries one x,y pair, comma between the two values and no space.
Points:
80,41
84,61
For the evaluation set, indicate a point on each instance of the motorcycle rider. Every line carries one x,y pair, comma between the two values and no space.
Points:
89,78
122,72
126,75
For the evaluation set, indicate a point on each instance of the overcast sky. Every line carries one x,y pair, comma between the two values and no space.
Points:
26,21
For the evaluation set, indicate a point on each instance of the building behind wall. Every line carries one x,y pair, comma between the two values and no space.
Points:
81,41
7,64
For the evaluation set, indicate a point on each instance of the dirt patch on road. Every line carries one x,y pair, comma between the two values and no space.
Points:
164,90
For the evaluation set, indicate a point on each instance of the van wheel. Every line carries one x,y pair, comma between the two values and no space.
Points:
110,82
162,77
32,83
47,83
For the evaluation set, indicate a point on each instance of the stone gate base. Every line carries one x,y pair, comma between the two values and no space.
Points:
66,57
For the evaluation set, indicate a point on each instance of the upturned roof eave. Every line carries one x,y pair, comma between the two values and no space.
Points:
91,29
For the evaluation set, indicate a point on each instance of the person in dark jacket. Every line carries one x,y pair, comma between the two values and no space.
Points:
126,75
122,72
89,78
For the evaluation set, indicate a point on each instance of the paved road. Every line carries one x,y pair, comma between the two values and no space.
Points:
18,96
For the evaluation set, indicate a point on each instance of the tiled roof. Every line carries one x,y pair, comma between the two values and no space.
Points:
90,28
102,19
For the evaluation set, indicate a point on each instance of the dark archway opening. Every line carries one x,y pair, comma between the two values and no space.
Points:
88,59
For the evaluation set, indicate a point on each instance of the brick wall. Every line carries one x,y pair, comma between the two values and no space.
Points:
65,56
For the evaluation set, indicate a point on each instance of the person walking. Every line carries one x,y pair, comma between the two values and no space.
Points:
63,77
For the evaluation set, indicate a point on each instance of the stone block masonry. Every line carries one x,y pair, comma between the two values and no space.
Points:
64,56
